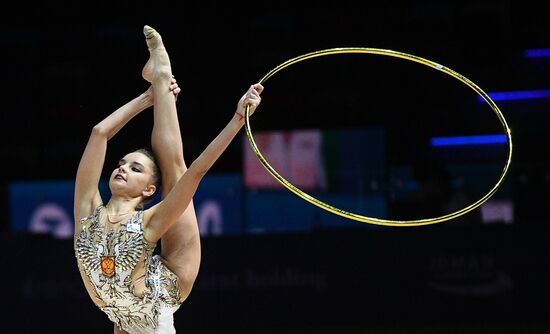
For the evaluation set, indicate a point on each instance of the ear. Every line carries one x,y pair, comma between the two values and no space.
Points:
149,191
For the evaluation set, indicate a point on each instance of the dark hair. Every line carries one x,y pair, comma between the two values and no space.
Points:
156,175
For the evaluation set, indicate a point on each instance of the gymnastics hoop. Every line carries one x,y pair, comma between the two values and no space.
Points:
372,220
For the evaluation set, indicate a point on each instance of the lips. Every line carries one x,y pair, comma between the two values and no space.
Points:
119,177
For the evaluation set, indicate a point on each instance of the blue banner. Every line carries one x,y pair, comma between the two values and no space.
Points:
46,207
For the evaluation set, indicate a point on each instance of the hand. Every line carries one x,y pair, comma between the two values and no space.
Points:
174,88
251,98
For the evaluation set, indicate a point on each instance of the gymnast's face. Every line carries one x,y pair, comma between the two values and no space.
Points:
133,177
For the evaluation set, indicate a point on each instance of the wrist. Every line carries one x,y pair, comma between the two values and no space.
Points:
146,100
238,117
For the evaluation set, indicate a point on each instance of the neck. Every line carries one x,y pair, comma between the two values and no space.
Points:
115,216
119,207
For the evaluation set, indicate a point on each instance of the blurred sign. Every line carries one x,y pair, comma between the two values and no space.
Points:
42,207
46,207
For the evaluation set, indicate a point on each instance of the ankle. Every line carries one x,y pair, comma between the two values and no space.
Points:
163,74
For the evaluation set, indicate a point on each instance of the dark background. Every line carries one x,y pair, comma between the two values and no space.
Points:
67,65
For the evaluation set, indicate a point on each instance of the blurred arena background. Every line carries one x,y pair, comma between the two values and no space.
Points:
375,135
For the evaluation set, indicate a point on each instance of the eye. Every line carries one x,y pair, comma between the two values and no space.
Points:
135,169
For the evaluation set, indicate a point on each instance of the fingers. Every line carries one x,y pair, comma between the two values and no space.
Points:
174,88
255,90
258,88
173,83
252,97
252,94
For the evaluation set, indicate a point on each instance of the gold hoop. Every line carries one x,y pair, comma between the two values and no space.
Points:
372,220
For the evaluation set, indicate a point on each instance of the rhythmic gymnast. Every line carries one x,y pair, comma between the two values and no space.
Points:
114,242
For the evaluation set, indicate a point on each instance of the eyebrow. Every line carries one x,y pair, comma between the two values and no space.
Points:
122,161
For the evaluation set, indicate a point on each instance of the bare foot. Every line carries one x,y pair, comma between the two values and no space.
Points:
158,64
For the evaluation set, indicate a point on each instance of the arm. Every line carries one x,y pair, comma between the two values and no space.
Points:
166,212
87,197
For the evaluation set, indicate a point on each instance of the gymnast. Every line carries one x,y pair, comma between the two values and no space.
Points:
114,241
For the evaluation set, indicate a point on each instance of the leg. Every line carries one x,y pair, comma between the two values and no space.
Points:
181,243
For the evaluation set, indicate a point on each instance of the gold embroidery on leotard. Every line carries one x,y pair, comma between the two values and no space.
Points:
109,258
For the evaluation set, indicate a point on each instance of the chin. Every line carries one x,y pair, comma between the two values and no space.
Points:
115,187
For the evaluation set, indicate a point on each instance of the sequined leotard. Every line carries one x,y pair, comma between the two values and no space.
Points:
133,287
